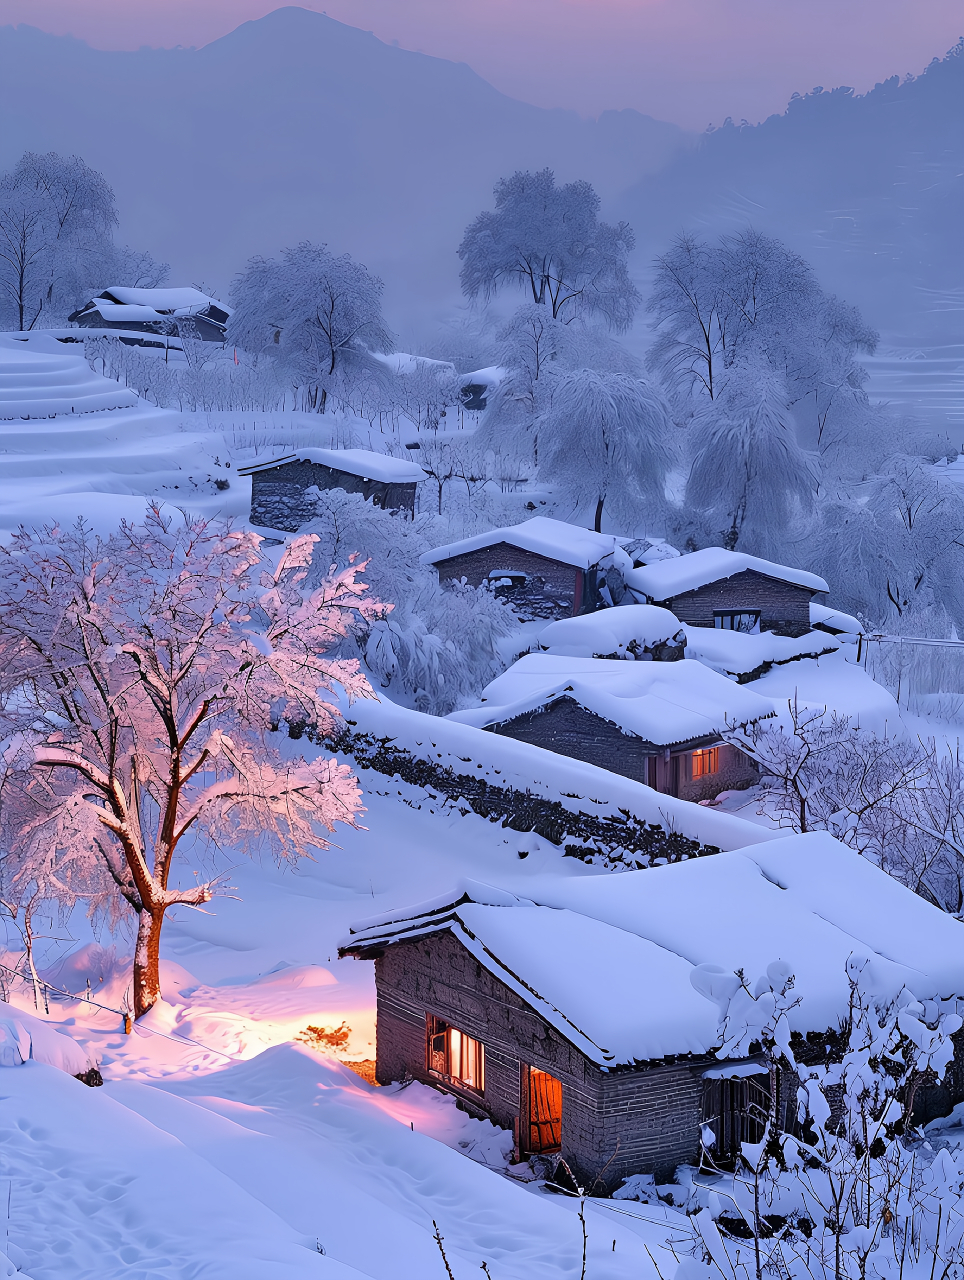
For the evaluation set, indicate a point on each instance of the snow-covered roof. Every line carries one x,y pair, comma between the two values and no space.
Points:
490,377
611,631
39,379
648,550
356,462
668,578
607,959
555,539
737,654
404,363
173,301
665,703
834,619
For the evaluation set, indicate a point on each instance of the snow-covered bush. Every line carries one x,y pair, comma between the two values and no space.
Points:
896,800
854,1191
439,646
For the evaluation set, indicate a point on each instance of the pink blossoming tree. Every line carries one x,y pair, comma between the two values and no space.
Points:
146,680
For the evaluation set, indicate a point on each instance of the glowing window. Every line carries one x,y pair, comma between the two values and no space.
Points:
455,1056
705,761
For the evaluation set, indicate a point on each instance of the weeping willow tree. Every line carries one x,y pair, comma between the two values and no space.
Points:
749,475
604,442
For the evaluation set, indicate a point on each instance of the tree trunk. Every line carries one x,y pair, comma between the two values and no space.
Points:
147,956
599,511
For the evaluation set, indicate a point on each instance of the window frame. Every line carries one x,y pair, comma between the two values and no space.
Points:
453,1055
720,614
704,762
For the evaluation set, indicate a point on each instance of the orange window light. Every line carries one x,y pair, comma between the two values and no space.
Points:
706,760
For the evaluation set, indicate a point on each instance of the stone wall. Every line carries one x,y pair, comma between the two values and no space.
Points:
616,839
569,729
278,498
551,590
784,608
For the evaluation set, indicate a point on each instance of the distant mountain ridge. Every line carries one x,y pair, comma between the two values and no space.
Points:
297,127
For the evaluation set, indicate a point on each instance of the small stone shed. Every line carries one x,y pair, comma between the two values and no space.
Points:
570,1016
660,723
279,485
545,568
730,590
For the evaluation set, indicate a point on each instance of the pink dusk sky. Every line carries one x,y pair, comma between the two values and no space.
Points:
689,61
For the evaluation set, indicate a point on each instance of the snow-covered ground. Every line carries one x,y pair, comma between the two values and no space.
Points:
219,1146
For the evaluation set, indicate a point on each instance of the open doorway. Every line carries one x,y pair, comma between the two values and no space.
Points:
543,1120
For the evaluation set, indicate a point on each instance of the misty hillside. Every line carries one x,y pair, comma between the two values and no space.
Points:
868,188
296,126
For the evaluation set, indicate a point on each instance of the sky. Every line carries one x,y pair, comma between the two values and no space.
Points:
693,62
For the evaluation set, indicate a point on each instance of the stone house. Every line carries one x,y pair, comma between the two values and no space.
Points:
279,485
544,568
660,723
729,590
572,1019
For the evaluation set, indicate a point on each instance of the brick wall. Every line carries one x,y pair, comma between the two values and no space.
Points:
278,494
552,589
570,730
784,608
652,1113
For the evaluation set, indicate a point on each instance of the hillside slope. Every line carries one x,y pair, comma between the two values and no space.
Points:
295,127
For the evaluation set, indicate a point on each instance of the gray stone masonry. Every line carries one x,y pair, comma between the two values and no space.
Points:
278,498
570,730
784,608
552,589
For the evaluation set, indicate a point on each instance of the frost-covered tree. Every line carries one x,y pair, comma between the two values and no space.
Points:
858,1191
56,220
604,443
549,241
317,314
903,530
896,800
143,681
749,477
748,298
439,646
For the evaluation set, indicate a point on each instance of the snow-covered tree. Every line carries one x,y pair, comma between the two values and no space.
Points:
317,314
903,530
439,646
143,679
749,477
896,800
56,220
549,241
604,443
748,298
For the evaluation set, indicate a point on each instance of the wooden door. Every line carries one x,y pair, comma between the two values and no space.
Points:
545,1111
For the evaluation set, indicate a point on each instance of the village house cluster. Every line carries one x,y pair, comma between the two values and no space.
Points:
571,1018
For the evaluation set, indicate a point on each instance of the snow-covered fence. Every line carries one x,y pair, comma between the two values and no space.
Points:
925,675
587,812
